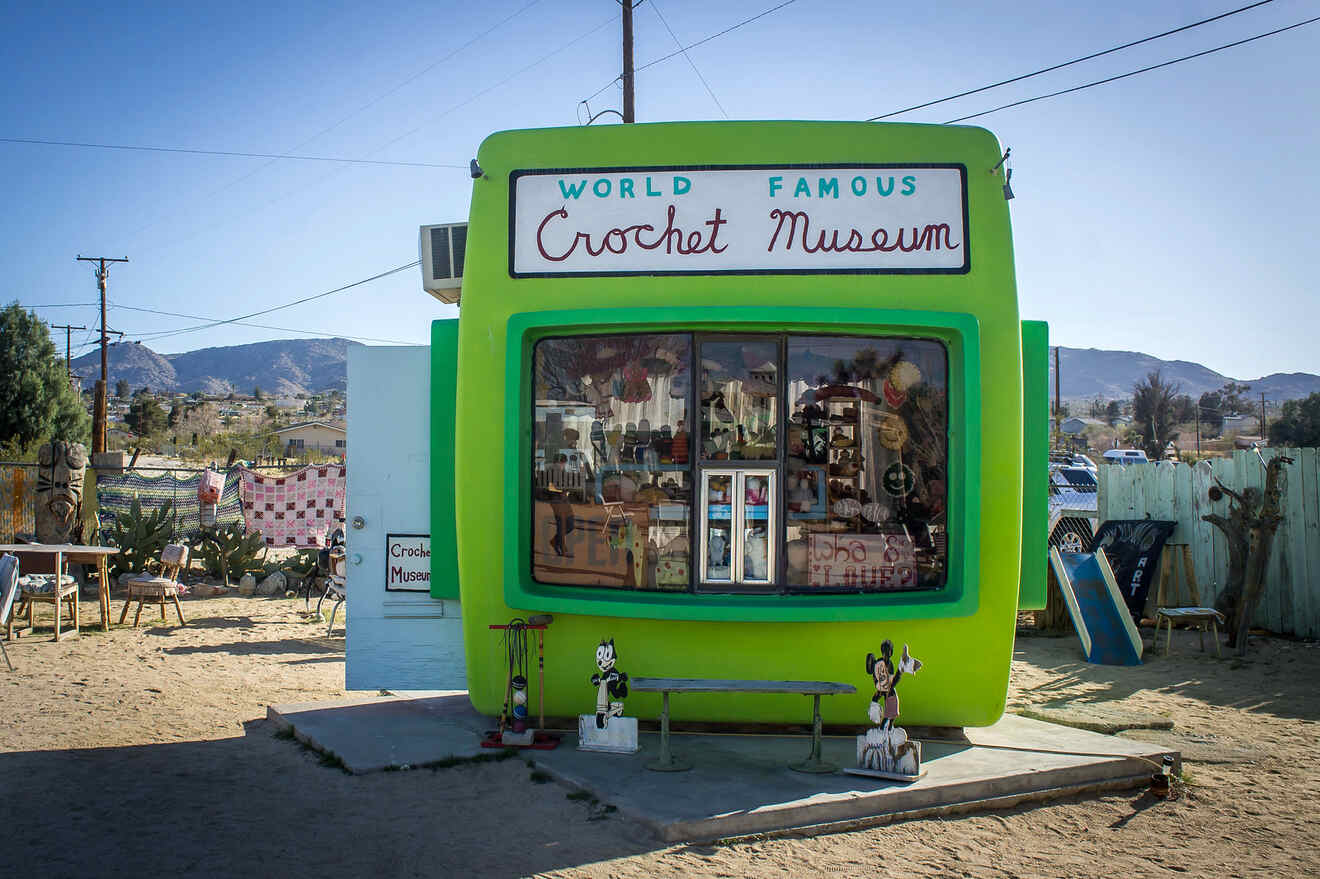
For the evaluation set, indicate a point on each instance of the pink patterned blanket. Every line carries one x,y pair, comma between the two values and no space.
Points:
299,509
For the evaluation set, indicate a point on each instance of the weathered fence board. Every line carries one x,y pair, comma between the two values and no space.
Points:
1167,490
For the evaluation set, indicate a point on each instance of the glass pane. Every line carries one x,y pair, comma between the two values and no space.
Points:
739,400
865,488
611,488
757,538
719,527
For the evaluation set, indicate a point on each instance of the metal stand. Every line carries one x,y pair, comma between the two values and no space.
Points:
667,762
813,763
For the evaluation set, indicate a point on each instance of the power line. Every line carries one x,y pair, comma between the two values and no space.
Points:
198,230
700,42
1088,85
216,323
996,85
380,97
709,90
56,305
326,333
226,153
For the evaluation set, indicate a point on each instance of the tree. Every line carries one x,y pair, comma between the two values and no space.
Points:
1113,410
1184,409
145,416
1298,424
1254,516
36,400
1153,412
122,390
257,393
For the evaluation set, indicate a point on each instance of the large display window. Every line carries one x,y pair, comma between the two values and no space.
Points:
793,463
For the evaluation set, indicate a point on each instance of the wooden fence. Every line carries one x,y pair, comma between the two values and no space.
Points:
1178,492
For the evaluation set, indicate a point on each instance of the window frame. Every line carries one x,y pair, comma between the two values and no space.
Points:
960,334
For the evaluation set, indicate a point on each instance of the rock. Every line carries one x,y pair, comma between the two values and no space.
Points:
247,581
275,584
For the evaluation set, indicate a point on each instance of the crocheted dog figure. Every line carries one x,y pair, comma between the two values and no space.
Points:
610,683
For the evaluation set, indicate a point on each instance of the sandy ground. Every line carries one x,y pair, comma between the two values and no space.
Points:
145,752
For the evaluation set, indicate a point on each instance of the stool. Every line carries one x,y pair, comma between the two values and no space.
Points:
1201,615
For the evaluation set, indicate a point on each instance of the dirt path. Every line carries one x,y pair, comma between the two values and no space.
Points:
146,751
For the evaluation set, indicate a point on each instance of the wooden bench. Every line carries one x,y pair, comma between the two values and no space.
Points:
667,762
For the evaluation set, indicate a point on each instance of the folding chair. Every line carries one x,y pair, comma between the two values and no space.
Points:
8,589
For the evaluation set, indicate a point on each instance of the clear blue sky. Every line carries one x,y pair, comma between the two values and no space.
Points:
1173,213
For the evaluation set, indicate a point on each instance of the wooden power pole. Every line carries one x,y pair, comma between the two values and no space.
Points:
68,333
1058,395
629,109
98,415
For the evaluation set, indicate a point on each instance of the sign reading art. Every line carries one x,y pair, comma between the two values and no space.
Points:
861,561
408,562
853,219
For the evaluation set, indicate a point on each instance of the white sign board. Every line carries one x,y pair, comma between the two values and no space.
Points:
408,562
854,219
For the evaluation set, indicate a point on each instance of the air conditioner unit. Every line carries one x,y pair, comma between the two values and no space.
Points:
441,249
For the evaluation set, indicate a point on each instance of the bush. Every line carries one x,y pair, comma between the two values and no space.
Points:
140,537
227,552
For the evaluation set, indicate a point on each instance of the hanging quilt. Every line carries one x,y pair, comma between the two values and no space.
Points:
114,494
299,509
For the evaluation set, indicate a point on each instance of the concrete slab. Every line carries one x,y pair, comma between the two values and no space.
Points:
372,733
1097,718
741,784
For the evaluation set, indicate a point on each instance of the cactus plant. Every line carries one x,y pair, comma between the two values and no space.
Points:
140,537
226,551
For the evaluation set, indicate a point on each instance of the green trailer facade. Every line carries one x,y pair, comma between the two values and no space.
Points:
747,398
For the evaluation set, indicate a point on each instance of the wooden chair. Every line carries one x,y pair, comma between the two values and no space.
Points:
45,586
147,586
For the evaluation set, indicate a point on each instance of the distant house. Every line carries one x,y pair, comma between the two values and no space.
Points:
307,436
1075,425
1238,424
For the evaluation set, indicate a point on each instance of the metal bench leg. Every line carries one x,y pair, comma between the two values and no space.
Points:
813,763
666,762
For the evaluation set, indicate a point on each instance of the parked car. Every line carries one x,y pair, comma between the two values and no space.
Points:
1126,456
1073,507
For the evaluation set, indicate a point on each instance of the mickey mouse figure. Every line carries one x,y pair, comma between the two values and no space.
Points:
609,683
884,704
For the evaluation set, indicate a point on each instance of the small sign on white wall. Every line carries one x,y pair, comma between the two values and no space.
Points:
408,562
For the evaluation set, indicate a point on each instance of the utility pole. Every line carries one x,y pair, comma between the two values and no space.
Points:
1058,393
1262,415
98,415
629,114
68,333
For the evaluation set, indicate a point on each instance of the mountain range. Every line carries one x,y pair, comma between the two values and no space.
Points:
286,367
1091,372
